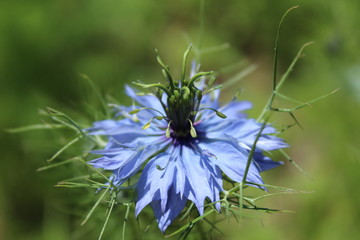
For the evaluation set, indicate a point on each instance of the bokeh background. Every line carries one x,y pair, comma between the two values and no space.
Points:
45,46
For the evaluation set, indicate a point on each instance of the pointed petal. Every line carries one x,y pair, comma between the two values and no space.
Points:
132,165
234,109
148,183
173,208
197,175
264,163
232,160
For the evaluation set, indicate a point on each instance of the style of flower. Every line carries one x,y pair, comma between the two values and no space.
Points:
184,142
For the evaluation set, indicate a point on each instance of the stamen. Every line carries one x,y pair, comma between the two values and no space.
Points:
167,132
220,114
192,130
147,125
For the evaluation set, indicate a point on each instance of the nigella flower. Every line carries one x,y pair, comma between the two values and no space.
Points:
184,142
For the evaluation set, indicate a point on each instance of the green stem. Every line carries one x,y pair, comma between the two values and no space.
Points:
252,151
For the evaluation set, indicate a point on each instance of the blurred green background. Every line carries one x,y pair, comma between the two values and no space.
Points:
46,45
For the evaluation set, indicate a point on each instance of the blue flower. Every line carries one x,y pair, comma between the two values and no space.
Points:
184,142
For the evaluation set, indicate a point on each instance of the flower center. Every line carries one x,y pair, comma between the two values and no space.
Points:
182,106
183,99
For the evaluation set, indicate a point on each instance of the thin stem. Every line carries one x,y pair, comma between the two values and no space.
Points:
252,151
277,44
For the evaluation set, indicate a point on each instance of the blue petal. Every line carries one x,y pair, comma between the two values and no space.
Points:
234,108
269,143
264,163
199,175
180,180
175,205
158,176
186,174
126,132
110,151
211,100
245,131
133,164
214,178
108,163
232,160
99,126
148,183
